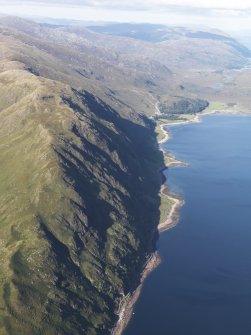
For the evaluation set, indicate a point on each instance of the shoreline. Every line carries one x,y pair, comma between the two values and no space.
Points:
196,119
126,311
173,216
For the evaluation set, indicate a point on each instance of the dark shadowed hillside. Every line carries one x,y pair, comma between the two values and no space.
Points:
79,199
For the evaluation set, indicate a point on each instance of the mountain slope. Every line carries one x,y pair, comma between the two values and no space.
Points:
76,196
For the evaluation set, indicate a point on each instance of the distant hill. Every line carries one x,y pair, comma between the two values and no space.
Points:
179,37
144,32
132,45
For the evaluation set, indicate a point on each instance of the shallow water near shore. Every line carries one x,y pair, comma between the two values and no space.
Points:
203,285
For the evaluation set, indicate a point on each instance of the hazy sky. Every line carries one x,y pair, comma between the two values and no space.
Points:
224,14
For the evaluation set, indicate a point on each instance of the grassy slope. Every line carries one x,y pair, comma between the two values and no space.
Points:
75,197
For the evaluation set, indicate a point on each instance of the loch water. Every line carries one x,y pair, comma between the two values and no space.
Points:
203,285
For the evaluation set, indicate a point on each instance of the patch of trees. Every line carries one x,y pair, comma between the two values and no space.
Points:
183,106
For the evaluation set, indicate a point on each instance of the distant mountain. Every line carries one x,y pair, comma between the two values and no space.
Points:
179,46
154,32
144,32
132,46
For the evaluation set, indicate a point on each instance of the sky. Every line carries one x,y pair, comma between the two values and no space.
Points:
228,15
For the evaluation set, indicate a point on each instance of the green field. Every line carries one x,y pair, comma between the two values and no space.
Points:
165,207
216,106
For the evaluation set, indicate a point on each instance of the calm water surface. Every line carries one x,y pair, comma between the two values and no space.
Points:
203,286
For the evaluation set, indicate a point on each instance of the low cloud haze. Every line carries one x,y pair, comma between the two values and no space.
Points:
226,15
224,4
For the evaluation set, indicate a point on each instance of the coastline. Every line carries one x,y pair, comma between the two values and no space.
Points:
126,311
173,216
197,118
166,137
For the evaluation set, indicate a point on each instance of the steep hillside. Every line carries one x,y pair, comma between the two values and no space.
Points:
76,197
